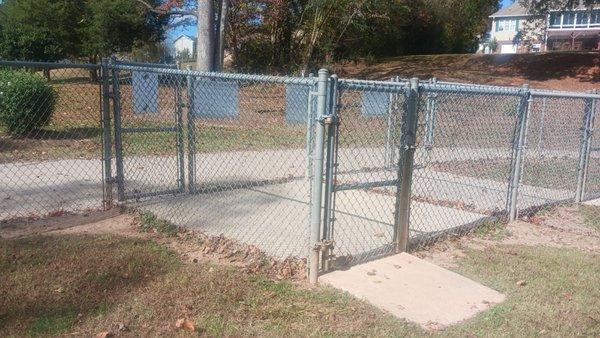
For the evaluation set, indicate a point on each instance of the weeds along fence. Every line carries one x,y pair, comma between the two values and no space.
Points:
338,171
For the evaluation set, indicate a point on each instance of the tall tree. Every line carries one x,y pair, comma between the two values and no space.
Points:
202,12
116,25
50,30
40,30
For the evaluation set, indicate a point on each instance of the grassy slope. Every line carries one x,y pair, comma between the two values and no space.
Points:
87,285
566,70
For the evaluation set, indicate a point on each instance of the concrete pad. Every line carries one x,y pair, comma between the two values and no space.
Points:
594,203
411,288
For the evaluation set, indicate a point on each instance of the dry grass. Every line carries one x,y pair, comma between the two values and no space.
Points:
83,285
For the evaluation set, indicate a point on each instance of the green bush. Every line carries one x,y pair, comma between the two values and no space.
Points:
26,101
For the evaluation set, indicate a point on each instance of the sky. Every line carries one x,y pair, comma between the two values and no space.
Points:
191,30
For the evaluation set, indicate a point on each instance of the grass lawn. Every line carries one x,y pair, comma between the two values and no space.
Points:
89,284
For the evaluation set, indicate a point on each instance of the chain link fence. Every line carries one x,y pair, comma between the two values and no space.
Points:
338,171
53,164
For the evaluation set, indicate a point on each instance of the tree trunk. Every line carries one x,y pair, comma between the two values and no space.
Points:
314,36
205,45
222,28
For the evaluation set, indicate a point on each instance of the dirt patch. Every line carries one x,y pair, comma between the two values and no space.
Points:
561,227
195,246
101,222
192,246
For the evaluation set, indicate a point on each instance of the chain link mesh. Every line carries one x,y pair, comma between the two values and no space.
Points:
243,173
369,132
53,167
231,154
552,150
461,179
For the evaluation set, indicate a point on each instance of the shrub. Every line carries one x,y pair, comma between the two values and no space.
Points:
26,101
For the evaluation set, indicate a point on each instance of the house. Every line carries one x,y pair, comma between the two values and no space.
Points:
185,43
516,30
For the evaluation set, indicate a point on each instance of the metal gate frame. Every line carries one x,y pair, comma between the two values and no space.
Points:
177,128
588,131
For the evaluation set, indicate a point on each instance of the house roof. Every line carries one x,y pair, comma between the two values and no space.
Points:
186,36
513,10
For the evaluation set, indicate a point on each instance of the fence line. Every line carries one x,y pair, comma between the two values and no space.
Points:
334,171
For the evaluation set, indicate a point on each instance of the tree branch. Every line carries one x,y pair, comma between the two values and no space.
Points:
166,12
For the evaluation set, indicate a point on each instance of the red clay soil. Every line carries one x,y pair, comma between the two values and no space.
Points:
565,70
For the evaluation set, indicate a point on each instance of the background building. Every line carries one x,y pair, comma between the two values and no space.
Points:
516,30
184,47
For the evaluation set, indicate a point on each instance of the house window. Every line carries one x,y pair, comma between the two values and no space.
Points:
582,19
568,19
507,25
595,18
555,20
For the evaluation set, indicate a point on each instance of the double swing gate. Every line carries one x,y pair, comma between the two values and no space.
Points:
338,171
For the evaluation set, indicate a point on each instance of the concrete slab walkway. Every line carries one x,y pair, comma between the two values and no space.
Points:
413,289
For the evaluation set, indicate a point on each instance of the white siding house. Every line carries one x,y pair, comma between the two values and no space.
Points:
184,42
516,30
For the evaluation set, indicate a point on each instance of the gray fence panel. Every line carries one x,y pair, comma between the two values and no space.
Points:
145,92
215,99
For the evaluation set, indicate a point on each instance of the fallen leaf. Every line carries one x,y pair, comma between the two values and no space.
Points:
104,334
186,324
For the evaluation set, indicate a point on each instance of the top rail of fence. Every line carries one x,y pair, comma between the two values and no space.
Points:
48,65
564,94
145,65
468,88
220,76
384,86
518,90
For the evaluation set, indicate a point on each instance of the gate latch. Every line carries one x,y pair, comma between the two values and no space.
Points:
324,245
329,120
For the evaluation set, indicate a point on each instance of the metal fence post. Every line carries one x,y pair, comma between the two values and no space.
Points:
405,167
389,138
309,128
191,125
116,95
331,124
430,113
317,178
518,148
106,137
586,143
179,122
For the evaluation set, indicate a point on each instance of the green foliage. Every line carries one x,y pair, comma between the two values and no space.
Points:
116,25
26,101
292,35
39,30
50,30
